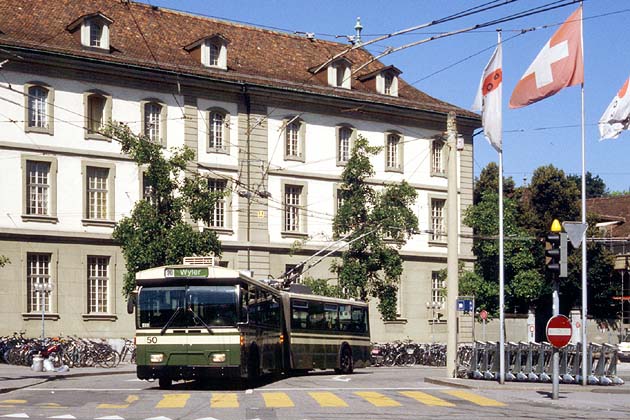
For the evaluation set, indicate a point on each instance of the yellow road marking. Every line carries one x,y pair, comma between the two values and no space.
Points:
50,405
173,401
427,399
11,403
227,400
473,398
377,399
130,399
328,399
277,400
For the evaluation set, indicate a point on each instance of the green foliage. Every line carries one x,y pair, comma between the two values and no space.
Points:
156,233
489,181
375,224
595,186
528,214
322,287
4,260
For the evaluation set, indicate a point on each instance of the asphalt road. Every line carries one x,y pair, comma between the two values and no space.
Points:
373,393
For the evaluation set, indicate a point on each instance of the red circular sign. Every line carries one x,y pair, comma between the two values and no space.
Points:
483,314
559,331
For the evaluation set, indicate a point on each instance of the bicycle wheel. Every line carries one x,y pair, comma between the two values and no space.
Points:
108,359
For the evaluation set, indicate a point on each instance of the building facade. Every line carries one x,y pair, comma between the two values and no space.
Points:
272,118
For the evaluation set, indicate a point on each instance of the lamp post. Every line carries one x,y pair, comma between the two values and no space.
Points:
43,289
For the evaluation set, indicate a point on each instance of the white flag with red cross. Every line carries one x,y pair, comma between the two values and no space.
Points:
616,118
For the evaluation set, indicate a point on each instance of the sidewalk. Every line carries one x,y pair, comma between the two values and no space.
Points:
16,377
623,371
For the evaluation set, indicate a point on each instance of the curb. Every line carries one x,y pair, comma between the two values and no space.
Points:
524,386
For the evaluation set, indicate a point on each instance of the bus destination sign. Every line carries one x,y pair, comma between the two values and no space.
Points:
186,272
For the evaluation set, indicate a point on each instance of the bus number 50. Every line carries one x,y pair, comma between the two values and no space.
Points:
151,340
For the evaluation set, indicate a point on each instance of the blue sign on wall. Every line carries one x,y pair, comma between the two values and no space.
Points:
465,305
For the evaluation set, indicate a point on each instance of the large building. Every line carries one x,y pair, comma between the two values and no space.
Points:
271,117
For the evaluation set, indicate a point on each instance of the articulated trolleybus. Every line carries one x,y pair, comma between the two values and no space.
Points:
201,321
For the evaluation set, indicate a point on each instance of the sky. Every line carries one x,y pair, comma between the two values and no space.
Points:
547,132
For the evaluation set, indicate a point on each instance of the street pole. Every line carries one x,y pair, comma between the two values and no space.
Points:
555,373
452,243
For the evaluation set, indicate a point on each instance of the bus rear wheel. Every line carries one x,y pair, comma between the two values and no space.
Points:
346,366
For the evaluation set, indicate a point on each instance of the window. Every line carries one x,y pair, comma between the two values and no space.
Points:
292,208
213,51
393,152
217,218
38,188
438,219
38,272
99,193
388,80
38,108
437,157
98,284
154,121
438,298
294,130
339,74
218,131
96,33
98,112
345,137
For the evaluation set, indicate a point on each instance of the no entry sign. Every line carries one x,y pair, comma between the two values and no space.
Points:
559,331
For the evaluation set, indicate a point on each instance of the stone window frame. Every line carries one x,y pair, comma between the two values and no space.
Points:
435,143
163,118
302,214
50,108
227,228
301,141
400,155
107,114
113,286
352,140
52,191
434,239
225,149
110,221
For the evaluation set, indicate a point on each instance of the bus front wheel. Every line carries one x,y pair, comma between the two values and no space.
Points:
345,361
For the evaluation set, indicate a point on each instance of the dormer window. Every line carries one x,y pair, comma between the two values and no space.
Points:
384,80
340,74
94,30
211,51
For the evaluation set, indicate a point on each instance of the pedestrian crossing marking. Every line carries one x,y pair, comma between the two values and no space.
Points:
277,400
474,398
173,401
224,400
377,399
129,400
427,399
328,399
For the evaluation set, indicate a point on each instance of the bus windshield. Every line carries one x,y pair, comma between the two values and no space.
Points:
198,305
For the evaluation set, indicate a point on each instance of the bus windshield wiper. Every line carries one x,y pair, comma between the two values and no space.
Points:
201,321
170,320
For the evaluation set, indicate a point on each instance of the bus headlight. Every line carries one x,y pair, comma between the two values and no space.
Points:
217,357
156,358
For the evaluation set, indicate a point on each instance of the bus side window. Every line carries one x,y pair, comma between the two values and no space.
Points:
359,319
345,318
331,314
299,314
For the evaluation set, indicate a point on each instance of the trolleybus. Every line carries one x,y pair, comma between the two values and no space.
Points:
201,321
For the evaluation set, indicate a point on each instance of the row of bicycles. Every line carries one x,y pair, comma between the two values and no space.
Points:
408,353
70,351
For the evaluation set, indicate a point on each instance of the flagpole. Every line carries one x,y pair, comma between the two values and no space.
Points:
501,271
584,265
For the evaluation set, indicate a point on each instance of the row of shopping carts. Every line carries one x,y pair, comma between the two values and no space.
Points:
532,362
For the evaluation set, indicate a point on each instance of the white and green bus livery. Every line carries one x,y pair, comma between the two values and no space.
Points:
201,321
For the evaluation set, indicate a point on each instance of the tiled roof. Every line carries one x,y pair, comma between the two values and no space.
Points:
612,209
255,55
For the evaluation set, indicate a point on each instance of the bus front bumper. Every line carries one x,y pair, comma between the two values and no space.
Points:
188,372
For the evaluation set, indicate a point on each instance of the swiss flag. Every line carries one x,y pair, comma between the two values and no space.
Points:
558,65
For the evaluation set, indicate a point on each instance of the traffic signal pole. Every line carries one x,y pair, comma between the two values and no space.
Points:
556,263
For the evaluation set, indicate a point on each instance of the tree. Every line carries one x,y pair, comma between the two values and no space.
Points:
156,233
375,224
595,186
552,196
4,260
489,181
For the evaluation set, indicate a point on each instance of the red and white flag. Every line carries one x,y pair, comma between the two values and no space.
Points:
616,118
558,65
489,99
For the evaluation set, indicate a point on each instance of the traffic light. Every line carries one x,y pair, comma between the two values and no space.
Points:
556,253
